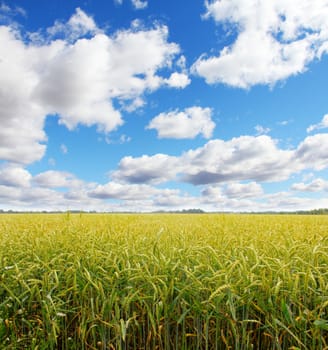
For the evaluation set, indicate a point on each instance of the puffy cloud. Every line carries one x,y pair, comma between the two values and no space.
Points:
316,185
137,192
213,197
239,190
147,169
114,190
81,80
173,199
312,153
322,125
21,118
14,176
185,124
139,4
56,179
63,191
73,85
133,105
178,80
275,39
244,158
77,77
232,197
78,25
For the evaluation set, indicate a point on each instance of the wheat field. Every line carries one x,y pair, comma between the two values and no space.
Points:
163,281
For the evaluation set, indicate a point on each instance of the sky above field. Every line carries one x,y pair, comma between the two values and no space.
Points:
136,105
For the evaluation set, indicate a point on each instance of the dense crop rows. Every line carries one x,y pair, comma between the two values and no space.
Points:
163,282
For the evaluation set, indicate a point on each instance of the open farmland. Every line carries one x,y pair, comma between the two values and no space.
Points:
156,281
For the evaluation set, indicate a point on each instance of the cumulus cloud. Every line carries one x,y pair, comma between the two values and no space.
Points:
244,158
14,176
78,25
56,179
178,80
174,199
81,80
119,191
316,185
139,4
185,124
78,77
216,197
224,194
240,190
322,125
147,169
55,190
275,39
114,190
22,119
312,152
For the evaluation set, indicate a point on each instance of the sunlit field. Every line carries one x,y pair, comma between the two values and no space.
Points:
163,281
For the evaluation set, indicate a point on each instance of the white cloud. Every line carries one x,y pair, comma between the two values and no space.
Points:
178,80
181,63
55,190
284,122
239,190
244,158
185,124
312,152
147,169
316,185
14,176
213,198
78,78
155,198
131,106
114,190
226,194
174,200
261,130
322,125
22,119
7,12
124,139
57,179
212,194
131,192
78,25
139,4
275,39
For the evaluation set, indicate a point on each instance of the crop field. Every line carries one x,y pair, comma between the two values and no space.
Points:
163,281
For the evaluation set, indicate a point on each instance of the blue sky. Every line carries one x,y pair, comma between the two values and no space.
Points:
136,105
